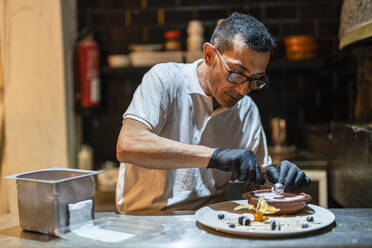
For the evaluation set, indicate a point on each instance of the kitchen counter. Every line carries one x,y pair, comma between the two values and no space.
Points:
353,228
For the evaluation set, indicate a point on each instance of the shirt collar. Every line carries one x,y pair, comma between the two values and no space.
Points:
192,80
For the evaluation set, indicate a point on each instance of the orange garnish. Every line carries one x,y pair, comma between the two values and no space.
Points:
261,209
258,216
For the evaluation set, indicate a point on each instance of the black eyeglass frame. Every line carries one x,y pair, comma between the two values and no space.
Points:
258,83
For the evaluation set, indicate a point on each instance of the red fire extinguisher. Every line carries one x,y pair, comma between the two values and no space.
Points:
88,72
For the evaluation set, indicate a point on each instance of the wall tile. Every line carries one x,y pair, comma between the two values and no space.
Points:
274,29
281,12
224,2
328,28
162,3
107,18
132,4
253,11
298,28
212,14
194,2
317,10
104,136
326,45
116,4
178,16
144,17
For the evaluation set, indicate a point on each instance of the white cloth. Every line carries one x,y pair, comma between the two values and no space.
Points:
171,102
80,212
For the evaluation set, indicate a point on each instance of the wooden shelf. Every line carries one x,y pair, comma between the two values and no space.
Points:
277,65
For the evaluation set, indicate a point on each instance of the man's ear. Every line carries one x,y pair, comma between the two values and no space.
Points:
209,53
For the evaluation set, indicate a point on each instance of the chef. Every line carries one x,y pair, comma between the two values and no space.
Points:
191,128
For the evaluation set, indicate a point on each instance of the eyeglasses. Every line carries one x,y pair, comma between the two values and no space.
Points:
238,78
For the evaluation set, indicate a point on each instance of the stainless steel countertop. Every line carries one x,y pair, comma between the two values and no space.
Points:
353,228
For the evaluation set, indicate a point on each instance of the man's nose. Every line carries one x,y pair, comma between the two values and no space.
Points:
243,89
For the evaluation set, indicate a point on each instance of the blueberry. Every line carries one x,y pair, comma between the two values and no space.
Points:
221,216
232,225
310,218
247,221
305,225
273,225
241,219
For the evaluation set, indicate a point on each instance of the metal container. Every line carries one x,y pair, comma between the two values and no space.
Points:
44,195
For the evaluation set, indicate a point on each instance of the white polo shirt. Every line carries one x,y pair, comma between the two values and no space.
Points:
172,104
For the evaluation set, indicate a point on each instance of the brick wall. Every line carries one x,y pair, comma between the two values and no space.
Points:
319,91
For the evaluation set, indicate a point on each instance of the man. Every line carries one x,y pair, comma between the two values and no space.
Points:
190,128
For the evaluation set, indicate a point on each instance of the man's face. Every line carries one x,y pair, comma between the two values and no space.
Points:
239,58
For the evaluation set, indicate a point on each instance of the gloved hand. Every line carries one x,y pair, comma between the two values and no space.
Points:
241,162
288,174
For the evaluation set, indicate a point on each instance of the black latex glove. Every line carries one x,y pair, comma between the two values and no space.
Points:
288,174
242,163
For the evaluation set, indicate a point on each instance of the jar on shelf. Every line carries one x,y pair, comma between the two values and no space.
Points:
172,40
195,36
299,47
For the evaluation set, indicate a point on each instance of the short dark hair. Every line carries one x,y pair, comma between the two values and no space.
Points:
254,33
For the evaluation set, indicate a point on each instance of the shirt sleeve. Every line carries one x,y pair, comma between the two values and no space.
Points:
151,101
260,149
258,142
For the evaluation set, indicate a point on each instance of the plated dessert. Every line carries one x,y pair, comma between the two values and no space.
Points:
266,212
222,217
284,203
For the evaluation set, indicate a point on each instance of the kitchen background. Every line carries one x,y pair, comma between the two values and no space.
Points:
303,92
324,101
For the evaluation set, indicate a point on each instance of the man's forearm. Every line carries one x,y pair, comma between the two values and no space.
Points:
141,147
